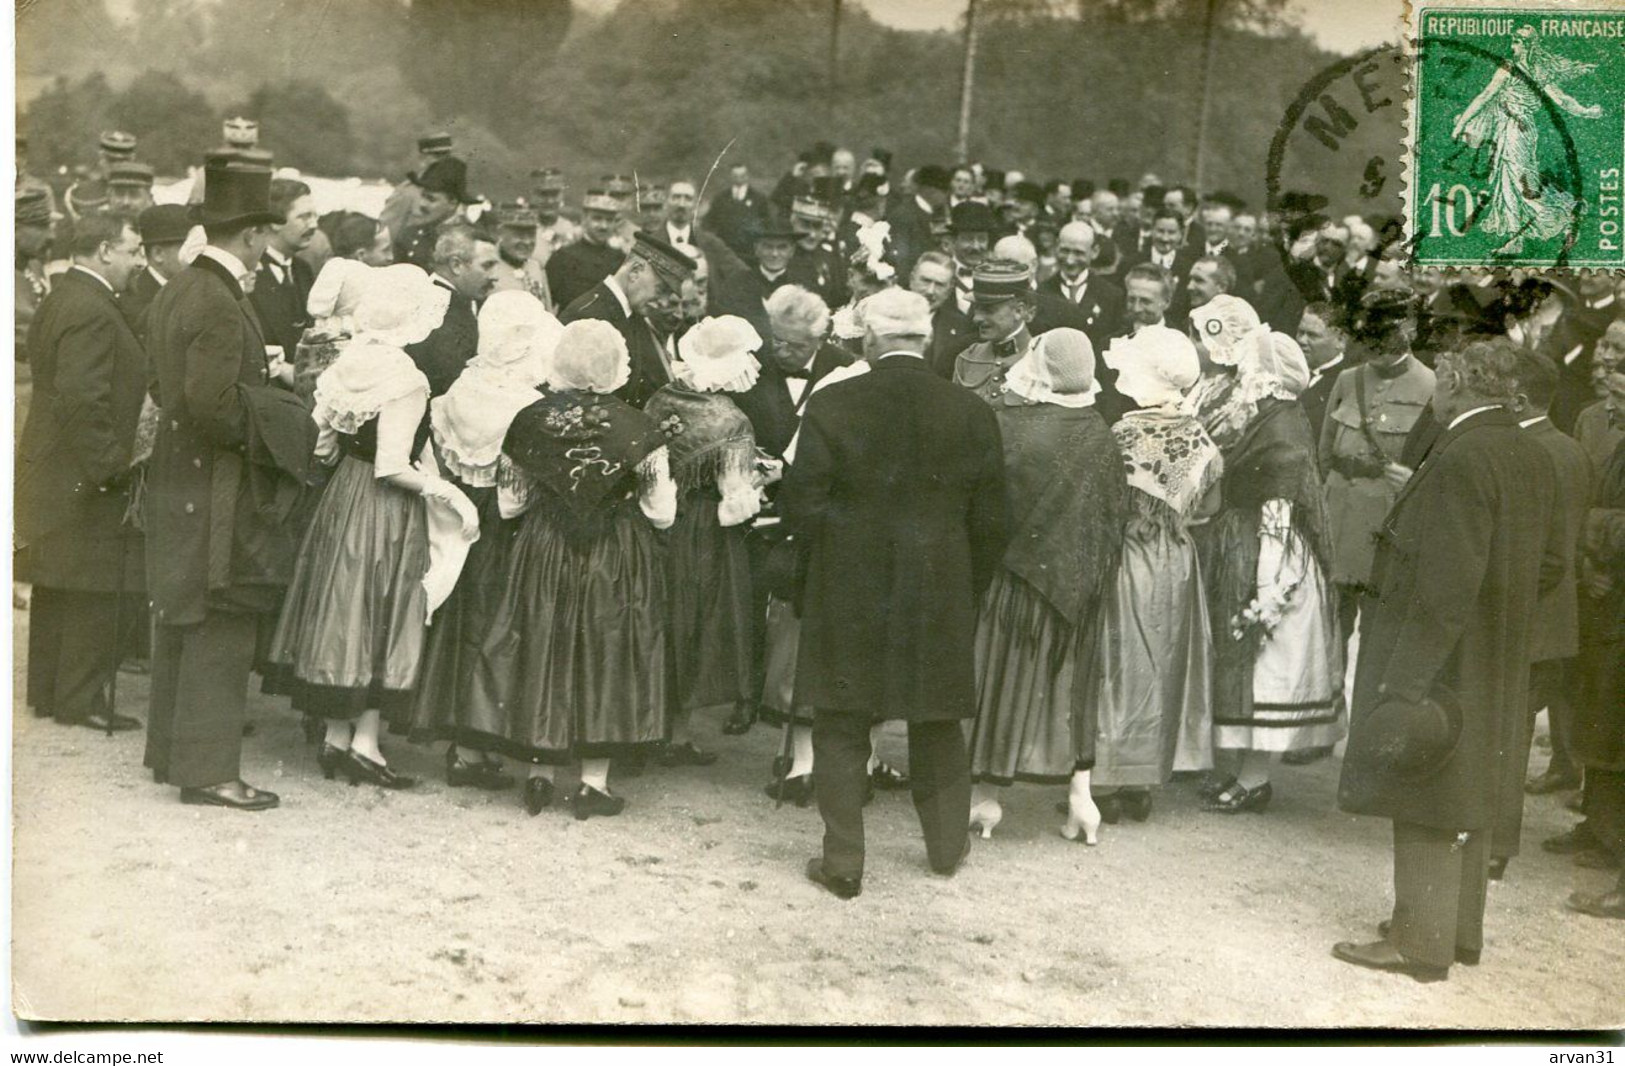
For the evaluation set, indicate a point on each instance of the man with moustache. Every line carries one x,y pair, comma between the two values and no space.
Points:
737,212
1004,300
282,280
74,463
576,268
745,294
951,330
554,230
442,195
678,229
1166,250
465,265
970,234
516,235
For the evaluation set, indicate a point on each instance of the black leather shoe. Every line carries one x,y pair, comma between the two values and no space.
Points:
359,768
538,795
1135,802
739,724
1549,782
1601,905
330,759
839,887
1465,956
589,803
797,790
486,774
234,795
1383,956
1573,842
1305,756
105,722
1236,800
684,754
1212,785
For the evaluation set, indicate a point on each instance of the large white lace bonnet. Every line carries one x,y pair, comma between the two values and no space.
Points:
591,356
719,355
1156,366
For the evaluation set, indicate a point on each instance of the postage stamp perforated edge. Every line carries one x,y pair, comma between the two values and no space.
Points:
1410,53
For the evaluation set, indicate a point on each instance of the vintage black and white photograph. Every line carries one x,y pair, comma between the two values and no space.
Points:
1086,513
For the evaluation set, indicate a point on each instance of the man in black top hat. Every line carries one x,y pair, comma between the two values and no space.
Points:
73,479
652,270
911,219
576,268
442,193
163,229
234,446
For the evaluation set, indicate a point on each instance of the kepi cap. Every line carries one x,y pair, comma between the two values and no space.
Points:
436,143
117,143
673,266
130,173
997,280
33,207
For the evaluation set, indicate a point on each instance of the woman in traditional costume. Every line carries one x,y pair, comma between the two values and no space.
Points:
1155,703
349,641
1039,626
1278,677
712,453
577,655
516,340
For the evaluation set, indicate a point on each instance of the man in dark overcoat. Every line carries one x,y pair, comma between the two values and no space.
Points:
574,269
163,229
74,477
653,270
1557,623
233,447
1440,689
896,498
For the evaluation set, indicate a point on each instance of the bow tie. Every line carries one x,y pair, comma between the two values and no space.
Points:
803,374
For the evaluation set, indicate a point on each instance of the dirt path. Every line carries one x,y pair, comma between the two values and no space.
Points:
350,904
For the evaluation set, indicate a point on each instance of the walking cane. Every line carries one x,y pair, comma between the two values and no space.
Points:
117,650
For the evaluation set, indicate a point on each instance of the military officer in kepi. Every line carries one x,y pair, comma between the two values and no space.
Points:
576,268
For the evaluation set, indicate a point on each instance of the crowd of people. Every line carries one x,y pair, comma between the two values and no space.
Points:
1094,487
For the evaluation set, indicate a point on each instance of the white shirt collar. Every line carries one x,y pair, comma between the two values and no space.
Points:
620,295
679,234
1526,423
1327,368
98,277
159,278
920,200
1465,415
1076,283
232,264
277,257
900,351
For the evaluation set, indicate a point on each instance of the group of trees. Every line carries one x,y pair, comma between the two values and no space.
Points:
342,86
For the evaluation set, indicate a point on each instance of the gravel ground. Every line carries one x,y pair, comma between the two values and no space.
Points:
351,904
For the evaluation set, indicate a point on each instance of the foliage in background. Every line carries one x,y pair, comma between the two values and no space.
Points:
1064,87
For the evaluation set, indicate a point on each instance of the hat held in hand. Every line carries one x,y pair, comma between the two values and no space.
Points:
1407,739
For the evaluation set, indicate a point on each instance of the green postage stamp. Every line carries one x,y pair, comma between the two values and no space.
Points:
1516,141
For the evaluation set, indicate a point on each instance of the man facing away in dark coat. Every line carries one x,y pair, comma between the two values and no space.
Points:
896,497
1557,623
232,450
1440,690
74,477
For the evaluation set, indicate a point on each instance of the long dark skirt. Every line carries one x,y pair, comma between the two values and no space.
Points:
350,637
712,631
444,707
1036,688
576,662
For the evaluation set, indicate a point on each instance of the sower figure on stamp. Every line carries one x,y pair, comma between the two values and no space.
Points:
233,447
1440,689
896,497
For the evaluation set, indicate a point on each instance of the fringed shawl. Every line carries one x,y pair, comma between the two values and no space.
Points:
581,448
1068,501
705,433
1169,457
